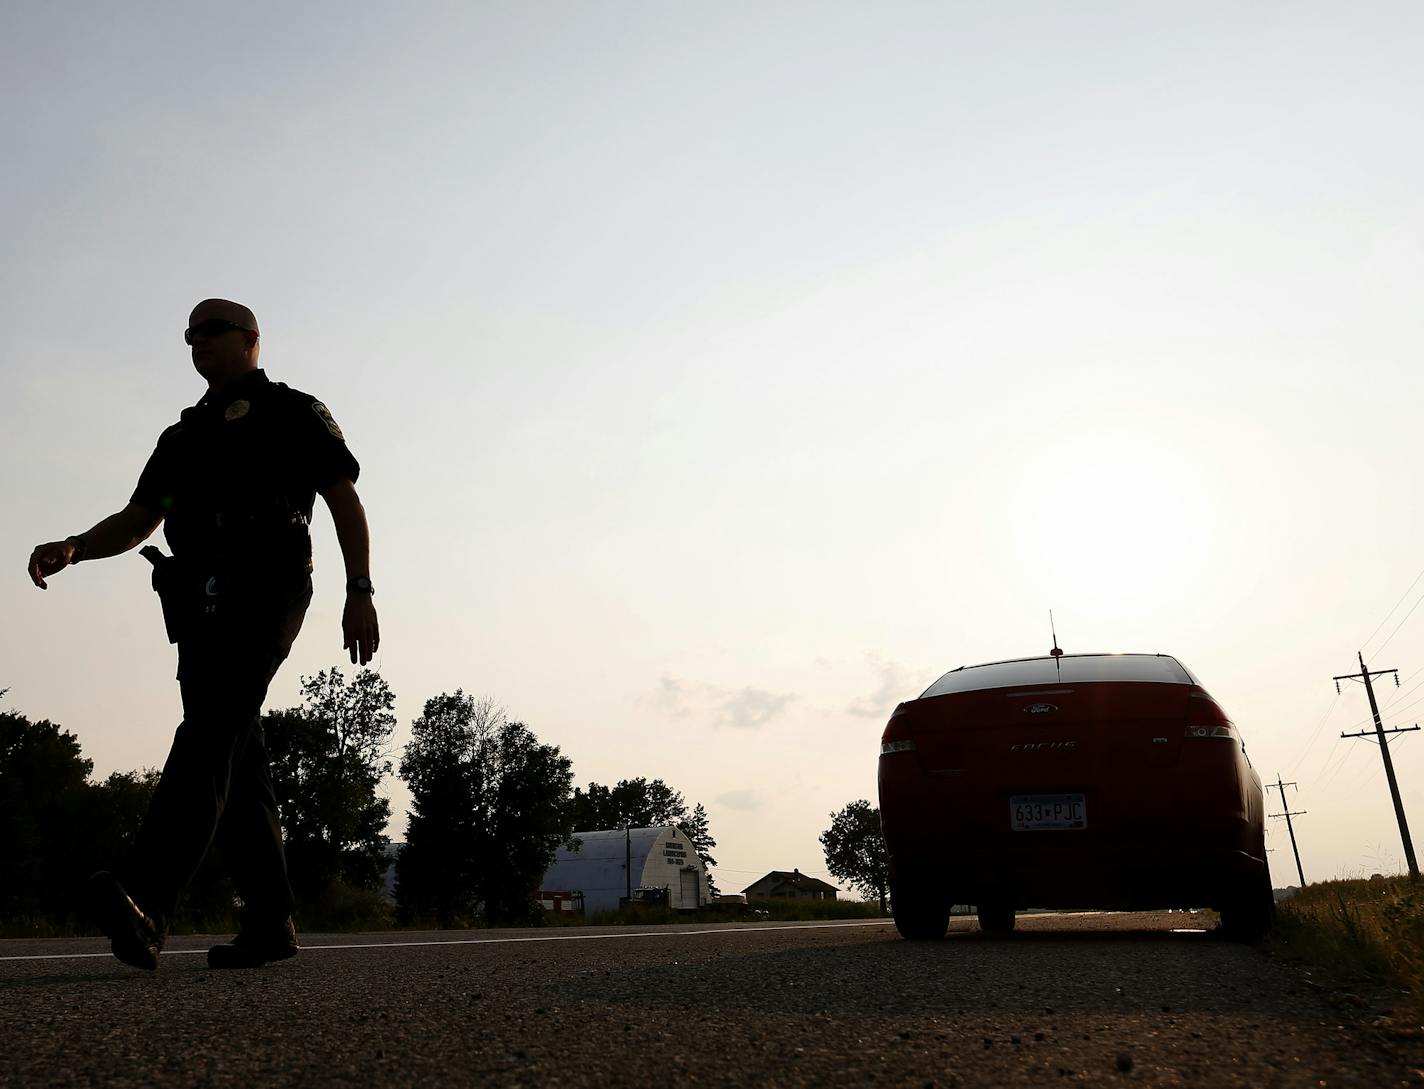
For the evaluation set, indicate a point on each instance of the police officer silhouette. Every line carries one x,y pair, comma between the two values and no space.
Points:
233,482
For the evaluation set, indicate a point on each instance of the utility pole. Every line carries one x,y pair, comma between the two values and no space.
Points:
1383,742
1289,827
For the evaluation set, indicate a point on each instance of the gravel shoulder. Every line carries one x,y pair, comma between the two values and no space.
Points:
1100,999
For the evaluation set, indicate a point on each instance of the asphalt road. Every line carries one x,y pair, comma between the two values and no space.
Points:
1098,999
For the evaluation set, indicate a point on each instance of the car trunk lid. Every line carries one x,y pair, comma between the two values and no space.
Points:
1050,737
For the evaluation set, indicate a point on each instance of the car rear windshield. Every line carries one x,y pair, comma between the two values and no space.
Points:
1072,667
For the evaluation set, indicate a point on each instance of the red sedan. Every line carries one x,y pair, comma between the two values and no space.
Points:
1080,781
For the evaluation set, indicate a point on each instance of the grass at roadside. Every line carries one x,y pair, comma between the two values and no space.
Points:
1373,928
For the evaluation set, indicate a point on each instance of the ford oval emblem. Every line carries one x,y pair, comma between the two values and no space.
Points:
1041,708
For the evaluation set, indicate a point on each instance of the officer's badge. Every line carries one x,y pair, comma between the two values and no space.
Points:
325,413
237,410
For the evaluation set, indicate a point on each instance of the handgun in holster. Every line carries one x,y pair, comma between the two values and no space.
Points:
166,585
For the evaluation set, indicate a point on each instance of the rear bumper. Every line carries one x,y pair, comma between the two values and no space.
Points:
1113,879
1137,851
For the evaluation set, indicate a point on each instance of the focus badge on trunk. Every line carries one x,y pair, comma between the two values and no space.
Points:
1041,708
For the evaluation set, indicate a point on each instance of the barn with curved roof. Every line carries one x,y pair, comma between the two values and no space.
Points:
656,858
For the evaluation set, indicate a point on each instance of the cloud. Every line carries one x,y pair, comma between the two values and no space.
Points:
751,708
745,708
739,799
896,684
672,697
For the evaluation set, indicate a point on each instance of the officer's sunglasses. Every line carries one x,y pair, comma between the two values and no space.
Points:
210,328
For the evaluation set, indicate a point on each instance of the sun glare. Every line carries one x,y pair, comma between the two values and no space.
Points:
1111,526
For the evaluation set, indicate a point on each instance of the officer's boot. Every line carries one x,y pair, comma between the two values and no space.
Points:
256,945
135,936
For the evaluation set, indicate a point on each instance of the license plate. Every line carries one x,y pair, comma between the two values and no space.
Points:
1047,812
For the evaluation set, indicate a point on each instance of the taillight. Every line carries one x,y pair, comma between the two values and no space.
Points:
1228,730
1205,718
896,737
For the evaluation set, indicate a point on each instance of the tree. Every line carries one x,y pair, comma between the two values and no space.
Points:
633,803
114,811
57,827
855,850
489,807
43,780
328,759
644,803
699,835
434,869
525,798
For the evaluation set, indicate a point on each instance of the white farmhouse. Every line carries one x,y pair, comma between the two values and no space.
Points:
656,858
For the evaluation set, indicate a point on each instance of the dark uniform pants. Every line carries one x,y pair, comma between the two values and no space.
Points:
217,780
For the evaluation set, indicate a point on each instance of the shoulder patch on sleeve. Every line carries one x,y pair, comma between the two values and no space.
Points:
325,414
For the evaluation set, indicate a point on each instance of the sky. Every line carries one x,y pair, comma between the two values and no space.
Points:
723,374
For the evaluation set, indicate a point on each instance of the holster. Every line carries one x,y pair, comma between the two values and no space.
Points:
178,599
211,598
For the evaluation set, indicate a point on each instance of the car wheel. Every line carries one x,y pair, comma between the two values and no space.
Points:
1249,914
921,911
996,918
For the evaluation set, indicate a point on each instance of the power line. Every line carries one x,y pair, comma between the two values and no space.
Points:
1365,720
1315,734
1366,775
1345,751
1402,692
1403,707
1417,602
1401,736
1387,615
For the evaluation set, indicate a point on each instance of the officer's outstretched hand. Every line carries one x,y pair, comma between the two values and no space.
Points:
359,627
47,559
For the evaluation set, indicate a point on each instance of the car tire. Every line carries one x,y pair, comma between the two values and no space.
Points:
996,918
1249,914
921,911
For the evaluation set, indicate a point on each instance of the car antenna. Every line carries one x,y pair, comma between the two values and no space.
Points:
1057,651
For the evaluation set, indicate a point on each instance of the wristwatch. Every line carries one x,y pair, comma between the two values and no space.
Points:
361,585
81,547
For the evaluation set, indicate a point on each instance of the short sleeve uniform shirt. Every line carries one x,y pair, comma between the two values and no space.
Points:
236,478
